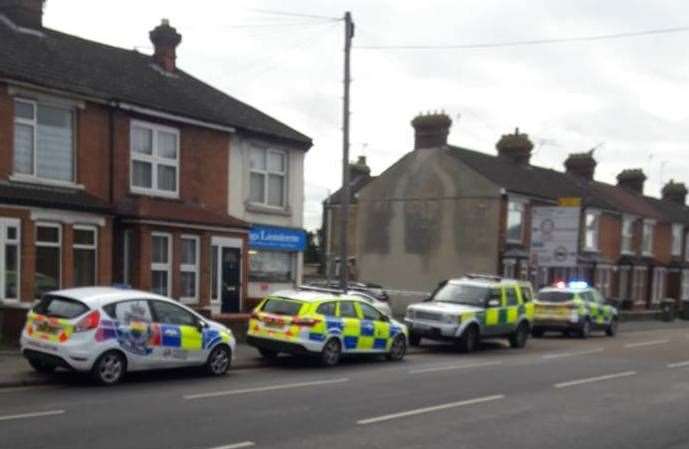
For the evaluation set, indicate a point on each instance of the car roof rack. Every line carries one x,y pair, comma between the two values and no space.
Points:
491,277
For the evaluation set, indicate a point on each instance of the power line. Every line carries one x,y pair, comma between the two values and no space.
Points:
599,37
293,14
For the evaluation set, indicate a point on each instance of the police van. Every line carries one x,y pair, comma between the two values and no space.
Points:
471,308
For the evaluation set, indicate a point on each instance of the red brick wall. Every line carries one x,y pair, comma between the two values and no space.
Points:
662,242
609,236
6,131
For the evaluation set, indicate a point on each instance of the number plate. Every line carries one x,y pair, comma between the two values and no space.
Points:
46,328
421,327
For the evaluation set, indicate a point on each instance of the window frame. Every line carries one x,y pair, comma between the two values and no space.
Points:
93,246
163,267
266,173
684,286
594,247
5,223
154,159
44,244
677,233
650,224
189,268
522,206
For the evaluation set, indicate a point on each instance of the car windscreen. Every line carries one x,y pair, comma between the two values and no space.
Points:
281,307
59,307
555,296
475,295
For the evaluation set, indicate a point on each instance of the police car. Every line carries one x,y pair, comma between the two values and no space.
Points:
108,332
325,324
575,308
472,308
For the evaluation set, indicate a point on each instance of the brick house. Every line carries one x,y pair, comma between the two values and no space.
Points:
443,210
114,168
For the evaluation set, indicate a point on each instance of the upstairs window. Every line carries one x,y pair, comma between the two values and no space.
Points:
43,141
268,178
591,229
154,160
627,235
677,239
515,221
647,240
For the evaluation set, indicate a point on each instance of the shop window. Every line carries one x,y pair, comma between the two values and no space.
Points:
154,159
161,263
190,268
85,255
48,266
515,221
43,141
9,258
270,266
268,177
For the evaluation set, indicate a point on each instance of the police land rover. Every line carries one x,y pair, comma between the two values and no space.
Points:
472,308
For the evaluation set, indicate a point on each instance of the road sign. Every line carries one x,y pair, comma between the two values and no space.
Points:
554,236
569,202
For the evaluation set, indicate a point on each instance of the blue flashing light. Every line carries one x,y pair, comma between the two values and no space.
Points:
578,284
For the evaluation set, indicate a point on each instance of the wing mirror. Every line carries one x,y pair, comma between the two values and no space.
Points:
201,325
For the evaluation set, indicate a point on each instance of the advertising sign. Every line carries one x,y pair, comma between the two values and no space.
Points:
275,238
555,236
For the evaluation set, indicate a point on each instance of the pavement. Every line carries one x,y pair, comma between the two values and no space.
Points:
631,391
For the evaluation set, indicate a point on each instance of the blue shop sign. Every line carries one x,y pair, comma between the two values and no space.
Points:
283,239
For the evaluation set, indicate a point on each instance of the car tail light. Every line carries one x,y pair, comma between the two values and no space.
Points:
308,322
89,322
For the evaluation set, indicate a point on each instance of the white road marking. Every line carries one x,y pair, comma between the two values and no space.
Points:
678,364
434,408
31,415
594,379
266,388
237,445
451,367
571,354
647,343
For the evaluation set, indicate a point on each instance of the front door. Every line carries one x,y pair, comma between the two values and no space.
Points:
231,274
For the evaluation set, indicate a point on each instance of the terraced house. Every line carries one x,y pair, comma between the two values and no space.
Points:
117,167
443,210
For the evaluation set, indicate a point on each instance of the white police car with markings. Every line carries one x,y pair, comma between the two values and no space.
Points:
109,331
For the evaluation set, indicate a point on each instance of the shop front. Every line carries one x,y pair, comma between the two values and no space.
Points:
275,259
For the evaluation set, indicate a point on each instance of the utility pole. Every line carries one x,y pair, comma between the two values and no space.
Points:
344,200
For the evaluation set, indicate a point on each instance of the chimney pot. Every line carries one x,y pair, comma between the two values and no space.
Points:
23,13
515,147
582,165
431,130
675,191
632,179
165,40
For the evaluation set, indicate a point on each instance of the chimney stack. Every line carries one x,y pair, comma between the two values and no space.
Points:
582,165
675,191
165,40
515,147
632,179
360,168
23,13
431,130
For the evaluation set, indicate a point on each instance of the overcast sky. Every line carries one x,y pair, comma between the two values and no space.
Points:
630,95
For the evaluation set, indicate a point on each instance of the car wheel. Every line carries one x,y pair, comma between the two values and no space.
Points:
414,339
268,353
519,338
219,361
398,349
537,333
585,329
468,342
331,352
110,368
611,331
41,366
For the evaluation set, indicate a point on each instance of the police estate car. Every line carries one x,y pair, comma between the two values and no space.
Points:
471,308
109,331
573,307
325,324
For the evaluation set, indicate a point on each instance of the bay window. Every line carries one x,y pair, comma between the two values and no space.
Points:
48,268
9,258
627,235
189,268
43,141
85,253
515,221
161,263
268,177
639,284
154,159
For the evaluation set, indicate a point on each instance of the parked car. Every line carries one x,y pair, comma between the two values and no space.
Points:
324,324
108,332
472,308
573,308
382,306
375,290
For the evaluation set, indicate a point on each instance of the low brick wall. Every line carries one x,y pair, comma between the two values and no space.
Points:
12,321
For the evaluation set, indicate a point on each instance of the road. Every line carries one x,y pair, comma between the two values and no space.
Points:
631,391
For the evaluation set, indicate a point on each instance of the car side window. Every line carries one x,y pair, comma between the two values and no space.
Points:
598,297
327,309
167,313
586,296
347,310
370,313
527,294
511,296
127,311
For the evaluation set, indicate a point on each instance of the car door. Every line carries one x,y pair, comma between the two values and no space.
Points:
603,311
491,322
375,329
347,312
510,313
132,325
180,337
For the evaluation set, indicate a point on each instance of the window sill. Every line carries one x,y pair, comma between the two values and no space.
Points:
26,179
154,193
271,210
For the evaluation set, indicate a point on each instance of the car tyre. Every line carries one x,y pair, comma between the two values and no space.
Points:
331,352
268,353
41,366
109,368
414,339
585,329
219,361
611,331
520,336
468,342
398,349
